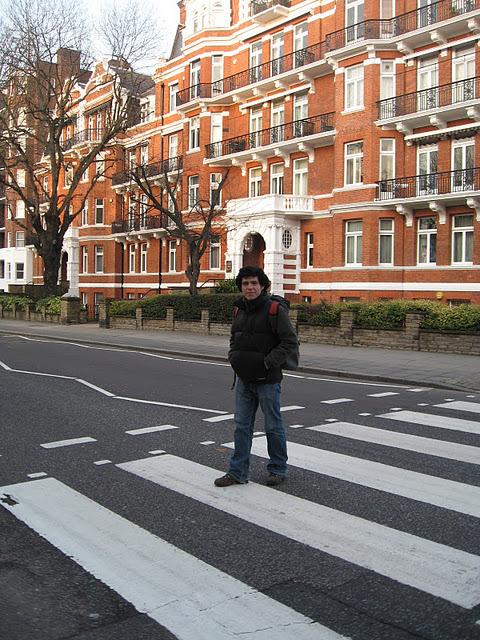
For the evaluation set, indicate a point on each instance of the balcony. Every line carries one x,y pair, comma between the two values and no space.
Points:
263,11
82,138
449,187
300,135
450,102
136,224
407,23
155,171
290,205
292,67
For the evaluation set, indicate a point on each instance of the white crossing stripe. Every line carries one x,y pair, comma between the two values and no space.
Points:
192,599
383,395
443,422
443,493
230,416
336,401
458,405
440,448
67,443
162,427
429,566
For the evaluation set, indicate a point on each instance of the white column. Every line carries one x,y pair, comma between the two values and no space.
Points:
71,245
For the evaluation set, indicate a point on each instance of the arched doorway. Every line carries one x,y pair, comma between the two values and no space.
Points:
253,248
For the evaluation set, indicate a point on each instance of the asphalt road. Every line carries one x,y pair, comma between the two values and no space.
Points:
375,535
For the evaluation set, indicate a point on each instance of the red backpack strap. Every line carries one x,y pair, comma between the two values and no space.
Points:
273,310
235,312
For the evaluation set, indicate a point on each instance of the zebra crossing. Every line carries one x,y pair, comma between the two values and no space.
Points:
195,600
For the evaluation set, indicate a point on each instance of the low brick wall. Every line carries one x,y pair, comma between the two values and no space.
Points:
462,343
410,338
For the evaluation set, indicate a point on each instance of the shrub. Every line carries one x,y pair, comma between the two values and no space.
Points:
22,302
50,304
123,308
322,315
226,286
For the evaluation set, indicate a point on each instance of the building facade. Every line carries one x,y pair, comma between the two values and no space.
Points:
350,132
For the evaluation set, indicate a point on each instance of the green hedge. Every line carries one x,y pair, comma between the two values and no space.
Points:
50,304
186,307
321,315
7,301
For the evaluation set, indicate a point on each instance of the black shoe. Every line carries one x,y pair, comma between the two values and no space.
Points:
274,480
226,481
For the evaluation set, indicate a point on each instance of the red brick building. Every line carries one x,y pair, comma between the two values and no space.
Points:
350,131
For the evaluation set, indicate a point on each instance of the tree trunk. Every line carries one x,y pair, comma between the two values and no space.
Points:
193,270
51,267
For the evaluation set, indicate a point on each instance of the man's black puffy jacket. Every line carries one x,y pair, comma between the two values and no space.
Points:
256,353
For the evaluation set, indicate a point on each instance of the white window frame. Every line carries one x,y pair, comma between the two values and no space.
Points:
354,87
172,97
277,173
143,154
387,159
300,177
19,239
99,206
20,209
217,71
214,252
193,190
194,133
215,179
353,163
132,258
428,234
354,241
143,257
386,235
173,145
172,255
84,214
309,247
84,259
464,233
255,182
99,259
19,266
387,79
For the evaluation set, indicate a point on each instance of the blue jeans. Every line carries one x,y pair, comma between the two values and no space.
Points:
248,396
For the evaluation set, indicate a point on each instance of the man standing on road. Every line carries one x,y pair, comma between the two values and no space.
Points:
260,343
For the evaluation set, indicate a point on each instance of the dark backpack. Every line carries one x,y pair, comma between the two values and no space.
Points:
291,363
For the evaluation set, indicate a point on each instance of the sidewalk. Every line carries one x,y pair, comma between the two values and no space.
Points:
443,370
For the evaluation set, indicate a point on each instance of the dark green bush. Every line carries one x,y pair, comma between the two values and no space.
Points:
226,286
22,302
123,308
322,315
50,304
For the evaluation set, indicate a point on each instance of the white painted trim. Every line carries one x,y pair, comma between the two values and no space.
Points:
390,286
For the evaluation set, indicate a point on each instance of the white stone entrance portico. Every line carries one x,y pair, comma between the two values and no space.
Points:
277,219
71,246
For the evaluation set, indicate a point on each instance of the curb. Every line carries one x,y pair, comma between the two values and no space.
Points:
336,373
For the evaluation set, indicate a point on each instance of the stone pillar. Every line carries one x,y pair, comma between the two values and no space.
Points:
104,314
170,324
71,245
205,320
69,309
139,318
412,329
346,325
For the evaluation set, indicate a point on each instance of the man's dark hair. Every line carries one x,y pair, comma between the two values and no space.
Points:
252,272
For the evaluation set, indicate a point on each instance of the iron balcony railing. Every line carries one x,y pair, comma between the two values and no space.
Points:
430,184
86,135
139,223
146,171
432,98
264,71
403,23
273,135
257,6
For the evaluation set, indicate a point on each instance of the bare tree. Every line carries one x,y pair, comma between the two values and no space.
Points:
48,80
194,224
